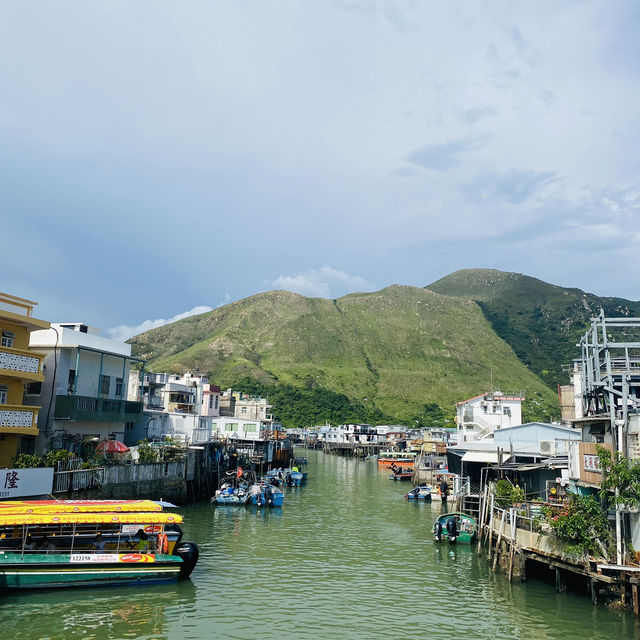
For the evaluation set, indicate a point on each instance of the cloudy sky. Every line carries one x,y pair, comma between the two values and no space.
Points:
160,158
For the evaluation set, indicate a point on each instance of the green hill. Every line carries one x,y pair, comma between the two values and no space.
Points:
542,322
393,354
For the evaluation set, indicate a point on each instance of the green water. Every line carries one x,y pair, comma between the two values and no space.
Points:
346,557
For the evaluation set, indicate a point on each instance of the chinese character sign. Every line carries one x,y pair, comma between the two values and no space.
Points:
591,463
25,483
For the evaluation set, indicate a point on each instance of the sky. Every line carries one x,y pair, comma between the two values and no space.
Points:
162,158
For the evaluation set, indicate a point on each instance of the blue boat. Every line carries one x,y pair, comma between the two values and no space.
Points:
230,495
423,492
265,495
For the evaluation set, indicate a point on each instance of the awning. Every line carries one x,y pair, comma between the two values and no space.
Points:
490,457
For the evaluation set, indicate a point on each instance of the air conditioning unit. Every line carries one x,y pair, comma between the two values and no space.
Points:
548,447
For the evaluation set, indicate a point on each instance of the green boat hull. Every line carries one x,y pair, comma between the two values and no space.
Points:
44,571
466,530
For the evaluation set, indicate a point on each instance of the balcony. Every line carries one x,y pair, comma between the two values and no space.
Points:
88,409
18,363
17,418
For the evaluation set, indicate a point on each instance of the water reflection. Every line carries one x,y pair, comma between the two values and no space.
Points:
126,612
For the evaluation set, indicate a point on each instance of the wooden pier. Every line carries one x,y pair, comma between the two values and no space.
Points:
354,449
513,543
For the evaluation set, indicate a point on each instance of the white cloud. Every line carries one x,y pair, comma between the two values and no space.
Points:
325,282
124,332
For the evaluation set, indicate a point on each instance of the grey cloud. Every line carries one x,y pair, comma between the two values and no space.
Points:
471,116
513,186
444,156
404,172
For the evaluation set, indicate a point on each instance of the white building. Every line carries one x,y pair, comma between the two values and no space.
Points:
85,393
480,416
177,406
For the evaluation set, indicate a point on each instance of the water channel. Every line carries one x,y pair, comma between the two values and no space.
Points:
346,557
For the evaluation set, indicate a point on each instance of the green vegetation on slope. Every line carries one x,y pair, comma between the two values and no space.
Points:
542,322
395,352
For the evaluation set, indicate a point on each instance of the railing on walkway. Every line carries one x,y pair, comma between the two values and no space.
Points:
78,479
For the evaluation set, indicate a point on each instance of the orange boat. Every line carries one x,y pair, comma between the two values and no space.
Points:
403,459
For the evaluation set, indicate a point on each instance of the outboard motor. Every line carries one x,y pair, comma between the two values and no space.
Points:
189,553
452,530
438,531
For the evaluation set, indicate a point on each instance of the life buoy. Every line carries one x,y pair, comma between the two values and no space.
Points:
163,543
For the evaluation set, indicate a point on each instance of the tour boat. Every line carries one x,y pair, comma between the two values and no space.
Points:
402,459
423,492
89,543
456,527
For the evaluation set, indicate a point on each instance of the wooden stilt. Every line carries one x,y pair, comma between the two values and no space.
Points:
495,557
490,546
558,581
634,595
511,562
594,592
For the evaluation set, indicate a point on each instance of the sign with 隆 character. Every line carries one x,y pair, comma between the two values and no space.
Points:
24,483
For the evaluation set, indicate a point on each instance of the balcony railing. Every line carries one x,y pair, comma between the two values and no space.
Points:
16,416
21,364
90,409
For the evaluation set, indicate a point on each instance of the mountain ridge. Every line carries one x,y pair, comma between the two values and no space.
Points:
396,350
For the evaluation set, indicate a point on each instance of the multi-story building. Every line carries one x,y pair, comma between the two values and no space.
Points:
85,389
21,370
242,405
177,406
480,416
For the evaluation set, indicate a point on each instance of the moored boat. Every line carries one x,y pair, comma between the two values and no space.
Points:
52,544
263,494
231,495
399,473
456,527
404,459
423,492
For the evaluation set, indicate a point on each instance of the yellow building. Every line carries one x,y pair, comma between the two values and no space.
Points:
18,368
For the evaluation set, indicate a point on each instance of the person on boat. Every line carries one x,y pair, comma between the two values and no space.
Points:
143,540
99,543
444,489
46,545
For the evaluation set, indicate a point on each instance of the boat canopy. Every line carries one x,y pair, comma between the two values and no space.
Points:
89,518
76,506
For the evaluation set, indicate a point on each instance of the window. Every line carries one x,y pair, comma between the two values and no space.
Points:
231,426
4,390
216,403
250,428
105,384
506,411
72,380
244,410
211,401
34,389
119,387
7,338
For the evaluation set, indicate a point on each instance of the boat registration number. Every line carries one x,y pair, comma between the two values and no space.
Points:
112,557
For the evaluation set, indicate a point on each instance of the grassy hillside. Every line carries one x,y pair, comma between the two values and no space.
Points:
542,322
391,352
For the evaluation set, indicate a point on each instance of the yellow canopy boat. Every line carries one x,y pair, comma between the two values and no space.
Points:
76,506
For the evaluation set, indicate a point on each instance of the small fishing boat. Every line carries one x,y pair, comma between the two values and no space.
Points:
228,494
399,473
423,492
293,477
263,494
456,527
88,543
